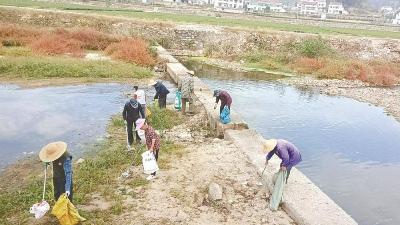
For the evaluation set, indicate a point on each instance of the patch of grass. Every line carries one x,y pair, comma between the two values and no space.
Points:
313,48
161,119
15,51
169,152
58,67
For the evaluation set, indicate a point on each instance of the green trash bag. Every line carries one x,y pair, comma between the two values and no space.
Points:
277,193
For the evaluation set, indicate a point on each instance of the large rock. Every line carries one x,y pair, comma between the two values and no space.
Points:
214,192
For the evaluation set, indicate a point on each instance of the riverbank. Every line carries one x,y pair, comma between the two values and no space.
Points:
21,183
180,193
385,97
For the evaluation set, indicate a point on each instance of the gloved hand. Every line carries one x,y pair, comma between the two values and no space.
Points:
215,106
125,122
67,193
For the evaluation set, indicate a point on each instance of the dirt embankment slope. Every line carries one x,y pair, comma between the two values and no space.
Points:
180,194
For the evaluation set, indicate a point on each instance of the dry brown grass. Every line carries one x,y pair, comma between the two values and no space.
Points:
12,35
74,43
132,50
308,65
56,44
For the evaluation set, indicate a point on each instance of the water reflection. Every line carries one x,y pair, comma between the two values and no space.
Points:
350,149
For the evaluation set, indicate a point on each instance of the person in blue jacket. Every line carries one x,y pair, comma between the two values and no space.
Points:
56,153
161,93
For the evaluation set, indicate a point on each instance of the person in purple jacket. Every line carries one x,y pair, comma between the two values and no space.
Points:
286,151
225,98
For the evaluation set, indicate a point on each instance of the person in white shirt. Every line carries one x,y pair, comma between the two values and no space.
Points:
140,97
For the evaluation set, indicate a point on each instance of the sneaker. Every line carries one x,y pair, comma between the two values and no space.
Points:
151,177
128,148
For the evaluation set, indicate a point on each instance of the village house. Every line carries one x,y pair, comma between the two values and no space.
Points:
396,20
229,5
308,7
265,6
386,9
336,8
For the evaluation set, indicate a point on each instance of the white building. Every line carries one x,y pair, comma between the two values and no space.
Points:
396,20
321,5
277,9
336,8
255,6
229,5
386,9
308,7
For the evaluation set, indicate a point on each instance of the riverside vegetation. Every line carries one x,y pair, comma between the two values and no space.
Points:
313,56
29,52
98,174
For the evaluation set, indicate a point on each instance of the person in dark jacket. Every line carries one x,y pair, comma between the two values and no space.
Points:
161,93
56,152
286,151
132,111
225,98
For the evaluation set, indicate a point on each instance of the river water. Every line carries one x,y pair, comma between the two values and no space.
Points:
78,115
350,149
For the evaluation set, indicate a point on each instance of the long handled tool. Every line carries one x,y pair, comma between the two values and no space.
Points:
45,181
128,146
261,176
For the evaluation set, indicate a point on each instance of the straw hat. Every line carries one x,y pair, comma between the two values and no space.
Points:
152,82
52,151
269,145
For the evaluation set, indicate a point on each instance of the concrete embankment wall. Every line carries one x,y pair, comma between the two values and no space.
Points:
217,39
303,200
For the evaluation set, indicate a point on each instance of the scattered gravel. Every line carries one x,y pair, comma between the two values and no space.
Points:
388,98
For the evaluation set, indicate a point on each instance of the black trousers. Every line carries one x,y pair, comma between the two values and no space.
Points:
131,125
162,101
155,156
59,188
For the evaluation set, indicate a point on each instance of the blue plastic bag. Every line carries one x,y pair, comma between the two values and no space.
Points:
225,116
178,100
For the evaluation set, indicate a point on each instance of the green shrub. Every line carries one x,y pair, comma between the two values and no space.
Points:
313,48
161,119
254,57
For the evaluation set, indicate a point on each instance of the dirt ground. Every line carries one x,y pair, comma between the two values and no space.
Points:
179,195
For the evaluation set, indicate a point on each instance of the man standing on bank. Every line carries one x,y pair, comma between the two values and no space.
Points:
186,86
286,151
161,93
56,152
225,98
132,112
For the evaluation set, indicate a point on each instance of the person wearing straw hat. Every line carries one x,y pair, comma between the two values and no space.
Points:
56,153
186,86
161,93
286,151
152,140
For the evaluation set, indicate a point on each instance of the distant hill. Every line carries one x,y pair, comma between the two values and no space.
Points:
371,4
